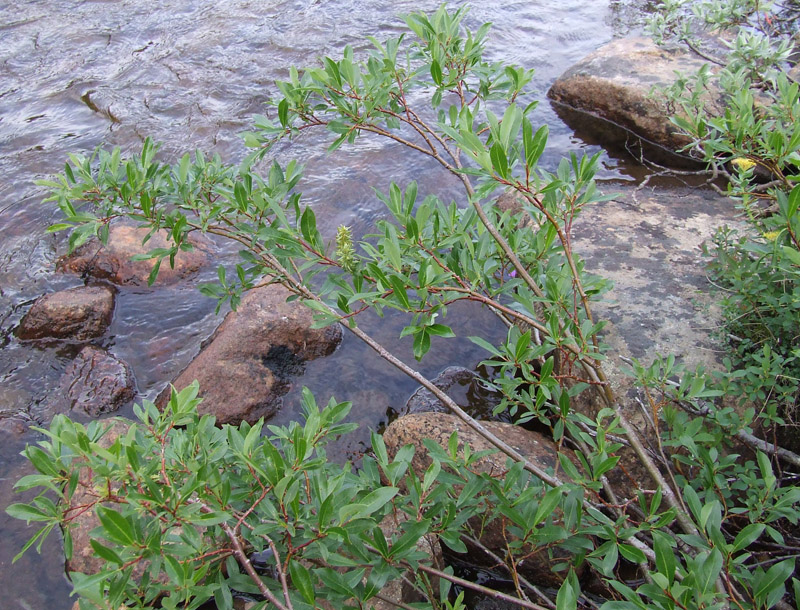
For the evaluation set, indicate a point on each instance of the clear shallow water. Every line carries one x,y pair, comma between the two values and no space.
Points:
77,74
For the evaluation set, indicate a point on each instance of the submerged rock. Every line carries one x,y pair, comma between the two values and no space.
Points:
113,261
464,387
94,383
615,83
423,400
250,359
79,313
537,448
13,426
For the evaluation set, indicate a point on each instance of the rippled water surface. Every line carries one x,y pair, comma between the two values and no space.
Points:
190,73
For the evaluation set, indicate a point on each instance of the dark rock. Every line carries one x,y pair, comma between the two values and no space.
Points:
79,313
251,358
615,83
540,450
94,383
113,262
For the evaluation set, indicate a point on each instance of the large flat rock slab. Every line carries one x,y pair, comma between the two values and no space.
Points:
650,246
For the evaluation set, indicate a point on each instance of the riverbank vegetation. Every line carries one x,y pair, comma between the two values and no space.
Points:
184,506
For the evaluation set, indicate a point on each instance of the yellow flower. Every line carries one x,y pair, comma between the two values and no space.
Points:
771,235
743,163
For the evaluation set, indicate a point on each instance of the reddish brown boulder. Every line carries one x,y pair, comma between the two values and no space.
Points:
412,429
84,559
79,313
250,359
113,261
438,427
94,383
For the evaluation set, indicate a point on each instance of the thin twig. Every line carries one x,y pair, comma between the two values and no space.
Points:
281,571
480,588
394,602
748,439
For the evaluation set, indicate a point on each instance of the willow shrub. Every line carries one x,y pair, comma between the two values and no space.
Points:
187,503
750,135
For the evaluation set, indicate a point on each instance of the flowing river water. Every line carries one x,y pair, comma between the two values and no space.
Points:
191,73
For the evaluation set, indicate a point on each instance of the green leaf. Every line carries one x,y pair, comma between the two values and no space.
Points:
771,585
301,578
89,586
422,343
440,330
794,202
283,112
567,597
709,571
665,557
391,246
106,553
436,72
414,531
692,500
632,554
534,144
749,534
430,474
34,480
400,291
27,513
377,499
485,345
116,527
547,505
792,254
174,570
38,536
58,227
308,226
499,160
222,597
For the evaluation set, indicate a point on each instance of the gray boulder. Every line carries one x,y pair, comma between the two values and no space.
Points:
615,83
